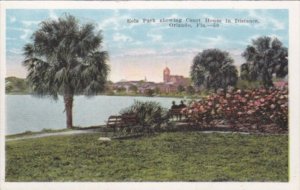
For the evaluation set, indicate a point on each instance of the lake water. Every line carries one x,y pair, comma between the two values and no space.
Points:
28,113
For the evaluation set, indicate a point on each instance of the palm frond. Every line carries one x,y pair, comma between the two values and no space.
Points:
64,56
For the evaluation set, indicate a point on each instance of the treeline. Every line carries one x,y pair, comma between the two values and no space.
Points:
266,60
213,69
14,85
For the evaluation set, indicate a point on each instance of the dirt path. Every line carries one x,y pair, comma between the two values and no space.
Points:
223,129
86,131
75,132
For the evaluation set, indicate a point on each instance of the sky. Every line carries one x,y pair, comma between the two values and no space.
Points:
142,50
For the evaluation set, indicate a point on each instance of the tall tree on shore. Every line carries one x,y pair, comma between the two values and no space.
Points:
65,58
213,69
229,76
266,57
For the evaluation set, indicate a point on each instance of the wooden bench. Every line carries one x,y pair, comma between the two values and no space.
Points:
121,121
114,121
176,112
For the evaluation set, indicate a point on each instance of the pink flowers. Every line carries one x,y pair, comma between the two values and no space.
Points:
257,106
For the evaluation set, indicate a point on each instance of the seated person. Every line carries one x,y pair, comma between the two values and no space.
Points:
181,105
174,106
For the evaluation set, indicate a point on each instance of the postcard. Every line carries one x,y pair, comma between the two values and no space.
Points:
164,95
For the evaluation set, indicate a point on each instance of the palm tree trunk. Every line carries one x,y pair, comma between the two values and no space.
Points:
68,100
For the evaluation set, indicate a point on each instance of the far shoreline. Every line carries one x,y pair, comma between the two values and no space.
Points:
123,95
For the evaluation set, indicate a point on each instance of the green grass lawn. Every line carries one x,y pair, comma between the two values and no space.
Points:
177,156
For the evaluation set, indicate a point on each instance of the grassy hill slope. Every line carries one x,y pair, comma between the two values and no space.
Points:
176,156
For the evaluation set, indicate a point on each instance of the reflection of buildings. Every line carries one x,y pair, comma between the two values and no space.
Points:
170,84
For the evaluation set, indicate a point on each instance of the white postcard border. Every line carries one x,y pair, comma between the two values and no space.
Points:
294,89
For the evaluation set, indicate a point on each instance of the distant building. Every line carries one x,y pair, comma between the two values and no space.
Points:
174,79
170,84
166,87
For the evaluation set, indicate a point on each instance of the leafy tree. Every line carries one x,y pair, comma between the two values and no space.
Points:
65,58
121,89
8,88
248,72
266,57
190,90
180,88
246,84
16,85
108,88
149,92
213,69
156,90
229,76
133,88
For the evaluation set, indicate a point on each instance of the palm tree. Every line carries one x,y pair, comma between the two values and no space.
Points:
229,76
64,59
213,69
265,57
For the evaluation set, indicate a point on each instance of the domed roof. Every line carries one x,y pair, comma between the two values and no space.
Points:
167,69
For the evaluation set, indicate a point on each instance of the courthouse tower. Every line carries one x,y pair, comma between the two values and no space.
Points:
166,74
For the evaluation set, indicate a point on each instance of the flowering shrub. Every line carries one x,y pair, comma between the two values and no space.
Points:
254,107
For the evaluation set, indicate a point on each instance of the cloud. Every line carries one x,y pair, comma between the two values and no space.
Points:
203,16
12,19
179,51
112,22
116,22
30,23
203,42
14,51
52,14
11,39
213,42
138,52
266,21
121,38
25,32
236,54
164,52
277,24
173,16
155,37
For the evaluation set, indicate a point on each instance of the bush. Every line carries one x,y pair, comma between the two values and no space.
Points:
244,84
255,107
149,92
150,115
